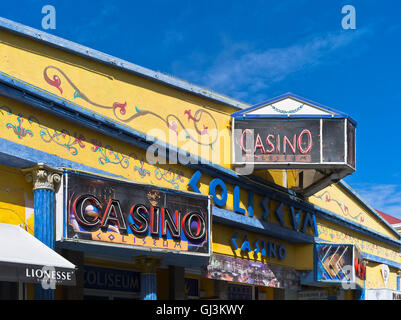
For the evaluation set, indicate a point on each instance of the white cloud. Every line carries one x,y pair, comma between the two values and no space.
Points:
383,197
241,71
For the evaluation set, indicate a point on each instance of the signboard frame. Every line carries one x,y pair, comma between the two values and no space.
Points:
347,165
62,216
350,279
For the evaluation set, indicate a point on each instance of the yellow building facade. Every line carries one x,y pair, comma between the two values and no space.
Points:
67,110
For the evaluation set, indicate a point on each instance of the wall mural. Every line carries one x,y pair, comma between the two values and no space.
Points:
228,268
330,234
75,143
199,119
325,196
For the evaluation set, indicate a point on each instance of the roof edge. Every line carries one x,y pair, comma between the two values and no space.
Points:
357,197
296,97
98,56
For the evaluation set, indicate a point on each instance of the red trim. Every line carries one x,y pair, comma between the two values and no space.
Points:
270,143
278,144
152,210
95,202
246,131
136,221
259,144
162,221
189,226
300,141
176,224
287,141
112,215
388,218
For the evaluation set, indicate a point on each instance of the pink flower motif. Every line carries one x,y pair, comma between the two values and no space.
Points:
173,126
55,82
188,113
122,106
79,140
190,116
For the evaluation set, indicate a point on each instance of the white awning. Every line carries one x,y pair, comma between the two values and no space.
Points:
25,258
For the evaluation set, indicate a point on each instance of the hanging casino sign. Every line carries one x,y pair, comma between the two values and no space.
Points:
299,143
142,216
290,132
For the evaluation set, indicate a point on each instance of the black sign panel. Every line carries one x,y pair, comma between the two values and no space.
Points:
137,215
333,141
297,143
277,141
47,276
100,278
351,145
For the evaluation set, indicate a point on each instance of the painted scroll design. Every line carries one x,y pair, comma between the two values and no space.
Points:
74,143
18,128
120,110
325,196
141,169
63,138
171,176
108,155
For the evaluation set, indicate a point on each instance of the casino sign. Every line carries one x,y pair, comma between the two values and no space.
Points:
102,210
290,132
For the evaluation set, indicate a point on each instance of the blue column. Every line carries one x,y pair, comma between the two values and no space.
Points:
362,297
44,180
148,286
148,266
44,213
44,230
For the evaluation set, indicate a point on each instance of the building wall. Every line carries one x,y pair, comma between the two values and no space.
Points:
16,199
297,256
335,199
375,280
74,145
187,121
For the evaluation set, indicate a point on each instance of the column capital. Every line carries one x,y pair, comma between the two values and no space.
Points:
43,177
146,264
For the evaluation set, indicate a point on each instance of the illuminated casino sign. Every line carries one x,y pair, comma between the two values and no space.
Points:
278,141
290,132
292,143
105,210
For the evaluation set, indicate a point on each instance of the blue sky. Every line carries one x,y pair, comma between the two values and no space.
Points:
256,50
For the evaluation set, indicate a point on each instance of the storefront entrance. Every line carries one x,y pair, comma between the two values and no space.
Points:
102,283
